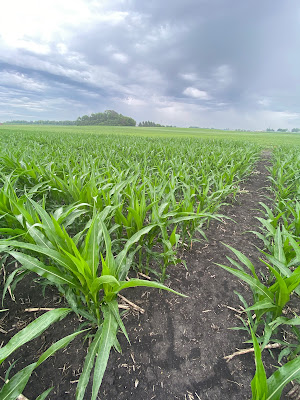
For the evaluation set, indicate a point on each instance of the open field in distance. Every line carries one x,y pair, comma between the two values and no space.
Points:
262,138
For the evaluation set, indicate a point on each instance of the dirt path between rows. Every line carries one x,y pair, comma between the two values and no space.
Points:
177,345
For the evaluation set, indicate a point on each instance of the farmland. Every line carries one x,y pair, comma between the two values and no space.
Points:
87,213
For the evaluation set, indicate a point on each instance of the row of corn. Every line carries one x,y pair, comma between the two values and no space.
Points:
87,212
272,318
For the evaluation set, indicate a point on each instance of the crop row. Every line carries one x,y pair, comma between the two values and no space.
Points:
271,320
84,212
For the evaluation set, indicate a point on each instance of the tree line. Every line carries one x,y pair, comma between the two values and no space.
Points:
107,118
40,122
294,130
150,124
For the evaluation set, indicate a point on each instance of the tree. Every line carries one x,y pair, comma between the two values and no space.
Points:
107,118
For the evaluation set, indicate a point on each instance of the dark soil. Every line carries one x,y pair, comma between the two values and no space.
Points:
178,344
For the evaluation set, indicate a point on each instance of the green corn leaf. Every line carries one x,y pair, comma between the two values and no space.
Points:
60,344
113,305
12,389
88,365
267,336
127,264
283,294
98,282
278,246
43,214
62,260
142,282
33,330
12,232
38,236
109,258
9,281
53,274
267,225
82,266
121,257
189,217
282,377
259,382
117,346
284,270
138,220
91,248
285,321
44,395
244,260
295,245
255,284
262,305
108,337
293,281
173,237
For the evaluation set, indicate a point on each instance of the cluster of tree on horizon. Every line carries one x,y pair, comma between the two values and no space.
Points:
150,124
107,118
40,122
294,130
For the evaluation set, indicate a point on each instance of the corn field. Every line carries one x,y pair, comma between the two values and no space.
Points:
93,213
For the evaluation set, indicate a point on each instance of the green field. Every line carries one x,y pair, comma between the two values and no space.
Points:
95,210
262,138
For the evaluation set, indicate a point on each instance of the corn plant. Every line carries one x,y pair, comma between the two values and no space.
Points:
271,388
72,264
270,299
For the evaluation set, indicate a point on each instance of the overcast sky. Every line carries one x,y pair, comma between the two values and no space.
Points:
210,63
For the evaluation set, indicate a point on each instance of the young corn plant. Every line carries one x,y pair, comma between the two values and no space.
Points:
268,300
271,388
89,281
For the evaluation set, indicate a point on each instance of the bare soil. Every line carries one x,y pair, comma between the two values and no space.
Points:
178,345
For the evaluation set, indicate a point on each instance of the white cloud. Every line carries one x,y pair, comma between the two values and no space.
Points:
122,58
196,93
264,101
20,80
223,75
189,77
133,101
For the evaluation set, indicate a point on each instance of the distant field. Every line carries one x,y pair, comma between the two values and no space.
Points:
262,138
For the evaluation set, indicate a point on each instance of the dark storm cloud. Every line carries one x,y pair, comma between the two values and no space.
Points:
214,63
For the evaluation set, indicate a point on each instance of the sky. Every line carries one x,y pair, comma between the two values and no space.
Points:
208,63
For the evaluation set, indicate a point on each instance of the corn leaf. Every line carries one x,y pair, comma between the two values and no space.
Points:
33,330
88,365
108,337
44,395
12,389
53,274
259,382
142,282
280,378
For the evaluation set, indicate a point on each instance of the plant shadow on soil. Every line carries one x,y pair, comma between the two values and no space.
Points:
178,345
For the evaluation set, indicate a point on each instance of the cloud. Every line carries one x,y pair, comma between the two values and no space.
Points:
21,81
198,62
196,93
